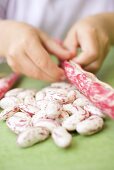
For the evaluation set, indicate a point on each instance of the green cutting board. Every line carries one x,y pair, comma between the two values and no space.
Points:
95,152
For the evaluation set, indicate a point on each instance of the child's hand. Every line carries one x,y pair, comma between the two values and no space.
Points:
27,51
91,37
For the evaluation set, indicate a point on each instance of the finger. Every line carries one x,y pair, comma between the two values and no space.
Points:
93,67
58,41
27,67
42,60
12,64
90,48
71,42
85,58
55,48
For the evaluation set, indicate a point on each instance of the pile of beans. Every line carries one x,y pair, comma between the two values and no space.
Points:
53,111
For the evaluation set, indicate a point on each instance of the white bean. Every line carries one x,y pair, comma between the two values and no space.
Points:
39,115
29,108
14,92
73,109
11,101
19,122
81,102
5,114
61,137
78,94
63,116
52,109
90,126
42,104
47,123
40,95
71,122
62,85
94,110
27,92
32,136
56,94
71,96
43,115
29,100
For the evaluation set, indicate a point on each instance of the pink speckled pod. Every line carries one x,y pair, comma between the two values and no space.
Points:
99,93
7,82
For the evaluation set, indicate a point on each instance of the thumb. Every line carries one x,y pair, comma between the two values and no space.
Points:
71,42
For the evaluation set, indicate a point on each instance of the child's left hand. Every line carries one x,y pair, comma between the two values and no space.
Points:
90,35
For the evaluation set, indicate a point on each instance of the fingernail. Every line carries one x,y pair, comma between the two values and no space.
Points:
58,41
75,59
72,52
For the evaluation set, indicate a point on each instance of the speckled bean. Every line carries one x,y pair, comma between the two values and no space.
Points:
47,123
63,116
19,122
52,109
14,92
90,126
73,109
32,136
81,102
61,137
27,92
29,100
11,101
94,110
6,113
71,122
29,108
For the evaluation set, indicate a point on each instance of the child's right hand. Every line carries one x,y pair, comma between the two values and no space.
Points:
91,36
27,51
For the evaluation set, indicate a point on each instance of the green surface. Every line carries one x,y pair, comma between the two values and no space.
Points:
86,153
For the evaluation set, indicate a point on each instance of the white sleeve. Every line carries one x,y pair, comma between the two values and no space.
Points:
3,8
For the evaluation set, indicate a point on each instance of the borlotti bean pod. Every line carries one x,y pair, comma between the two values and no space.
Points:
99,93
7,82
